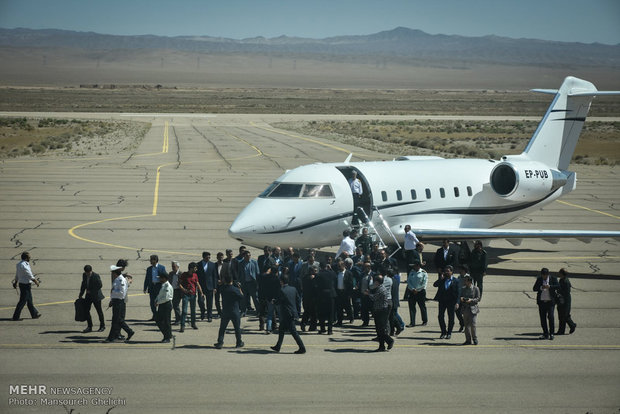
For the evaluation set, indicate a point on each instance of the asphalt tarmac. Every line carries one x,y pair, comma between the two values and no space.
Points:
177,195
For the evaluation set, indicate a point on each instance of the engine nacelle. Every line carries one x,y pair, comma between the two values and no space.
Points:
525,180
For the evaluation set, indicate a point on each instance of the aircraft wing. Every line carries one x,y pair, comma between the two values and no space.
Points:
514,236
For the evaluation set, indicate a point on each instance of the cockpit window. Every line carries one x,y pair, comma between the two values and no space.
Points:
286,190
291,190
317,190
268,189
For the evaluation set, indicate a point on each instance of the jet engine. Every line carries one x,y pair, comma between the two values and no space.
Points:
525,180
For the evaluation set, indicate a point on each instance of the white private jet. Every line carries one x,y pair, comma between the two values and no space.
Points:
464,199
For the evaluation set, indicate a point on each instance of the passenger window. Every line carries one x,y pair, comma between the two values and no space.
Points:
428,193
442,193
413,195
469,192
317,190
456,191
399,195
286,191
383,195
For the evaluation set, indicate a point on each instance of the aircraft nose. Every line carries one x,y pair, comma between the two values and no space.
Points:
241,228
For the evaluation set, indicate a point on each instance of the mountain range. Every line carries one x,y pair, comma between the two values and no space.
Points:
401,44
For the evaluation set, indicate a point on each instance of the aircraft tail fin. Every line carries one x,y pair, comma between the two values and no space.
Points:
555,139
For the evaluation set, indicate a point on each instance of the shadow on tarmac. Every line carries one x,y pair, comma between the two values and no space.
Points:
532,275
527,336
195,347
351,350
253,351
440,344
83,339
342,340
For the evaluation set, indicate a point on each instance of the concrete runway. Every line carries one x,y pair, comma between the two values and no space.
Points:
177,195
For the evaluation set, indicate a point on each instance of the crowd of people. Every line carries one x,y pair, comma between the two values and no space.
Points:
362,281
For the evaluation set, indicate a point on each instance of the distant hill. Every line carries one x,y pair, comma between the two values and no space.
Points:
401,48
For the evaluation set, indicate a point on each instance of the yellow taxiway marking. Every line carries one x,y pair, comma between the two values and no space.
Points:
64,302
288,134
72,230
588,209
164,149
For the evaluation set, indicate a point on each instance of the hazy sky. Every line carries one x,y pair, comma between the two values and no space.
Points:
564,20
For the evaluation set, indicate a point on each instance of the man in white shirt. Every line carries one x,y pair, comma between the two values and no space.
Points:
118,294
163,301
356,192
411,241
173,279
24,278
348,243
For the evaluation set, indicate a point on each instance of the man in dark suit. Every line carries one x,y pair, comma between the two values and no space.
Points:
478,264
448,295
207,277
446,255
227,265
91,284
388,264
325,282
263,259
231,299
235,264
418,255
294,271
152,283
288,299
221,270
344,291
309,296
546,287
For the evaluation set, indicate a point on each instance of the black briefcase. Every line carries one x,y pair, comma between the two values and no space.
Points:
80,310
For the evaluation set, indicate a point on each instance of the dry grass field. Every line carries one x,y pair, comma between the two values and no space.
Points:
149,98
46,136
599,143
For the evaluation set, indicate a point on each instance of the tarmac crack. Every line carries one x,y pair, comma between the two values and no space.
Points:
594,267
15,237
296,148
176,138
129,158
217,150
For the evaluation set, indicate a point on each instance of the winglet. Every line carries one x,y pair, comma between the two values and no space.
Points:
348,158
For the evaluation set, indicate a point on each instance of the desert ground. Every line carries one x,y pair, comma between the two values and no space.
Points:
175,191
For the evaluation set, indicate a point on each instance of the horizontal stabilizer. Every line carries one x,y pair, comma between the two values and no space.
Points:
555,139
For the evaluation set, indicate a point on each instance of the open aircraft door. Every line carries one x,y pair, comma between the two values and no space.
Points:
366,199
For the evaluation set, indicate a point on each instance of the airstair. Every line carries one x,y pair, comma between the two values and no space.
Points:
378,222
